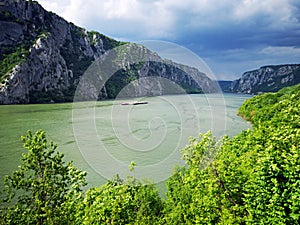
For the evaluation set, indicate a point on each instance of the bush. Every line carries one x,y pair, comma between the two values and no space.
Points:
255,176
121,202
43,190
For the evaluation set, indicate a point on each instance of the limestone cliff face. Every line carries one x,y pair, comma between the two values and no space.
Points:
132,70
267,79
49,53
43,57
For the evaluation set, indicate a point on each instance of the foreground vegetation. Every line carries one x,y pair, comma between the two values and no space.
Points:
252,178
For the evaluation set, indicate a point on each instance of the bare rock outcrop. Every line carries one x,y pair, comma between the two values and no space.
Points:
43,57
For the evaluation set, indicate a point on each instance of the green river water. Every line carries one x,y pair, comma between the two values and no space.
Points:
102,138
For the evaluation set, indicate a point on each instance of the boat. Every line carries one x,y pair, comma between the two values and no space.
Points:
140,103
134,103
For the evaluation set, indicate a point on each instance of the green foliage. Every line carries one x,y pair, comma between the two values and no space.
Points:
121,202
17,55
119,80
199,194
43,190
201,152
50,96
131,166
273,192
108,43
7,16
280,107
14,54
254,177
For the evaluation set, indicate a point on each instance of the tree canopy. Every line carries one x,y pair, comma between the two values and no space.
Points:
43,190
252,178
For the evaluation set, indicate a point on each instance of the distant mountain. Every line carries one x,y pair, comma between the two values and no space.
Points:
43,57
267,79
225,85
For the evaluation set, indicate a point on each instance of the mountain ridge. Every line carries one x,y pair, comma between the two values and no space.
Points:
43,58
268,78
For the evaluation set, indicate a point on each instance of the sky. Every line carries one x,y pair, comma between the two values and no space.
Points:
230,36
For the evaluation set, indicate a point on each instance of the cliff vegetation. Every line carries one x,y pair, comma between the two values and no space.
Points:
43,58
267,79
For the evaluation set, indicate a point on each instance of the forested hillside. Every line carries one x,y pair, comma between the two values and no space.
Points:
252,178
255,176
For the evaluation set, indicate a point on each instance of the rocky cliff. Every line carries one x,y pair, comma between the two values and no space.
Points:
43,57
267,79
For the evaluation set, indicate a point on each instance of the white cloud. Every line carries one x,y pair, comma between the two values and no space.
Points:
163,18
282,51
276,12
144,19
247,30
124,9
232,63
55,5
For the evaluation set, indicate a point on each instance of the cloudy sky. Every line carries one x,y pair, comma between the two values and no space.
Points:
231,36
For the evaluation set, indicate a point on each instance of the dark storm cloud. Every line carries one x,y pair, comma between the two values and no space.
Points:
232,36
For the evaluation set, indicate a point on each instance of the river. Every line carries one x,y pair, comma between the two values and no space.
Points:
103,137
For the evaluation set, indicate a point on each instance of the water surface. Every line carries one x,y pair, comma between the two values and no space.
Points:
102,138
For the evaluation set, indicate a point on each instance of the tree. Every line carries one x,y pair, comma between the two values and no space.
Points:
43,190
119,201
254,177
197,193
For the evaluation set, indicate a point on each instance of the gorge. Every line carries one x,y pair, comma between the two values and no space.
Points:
43,58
